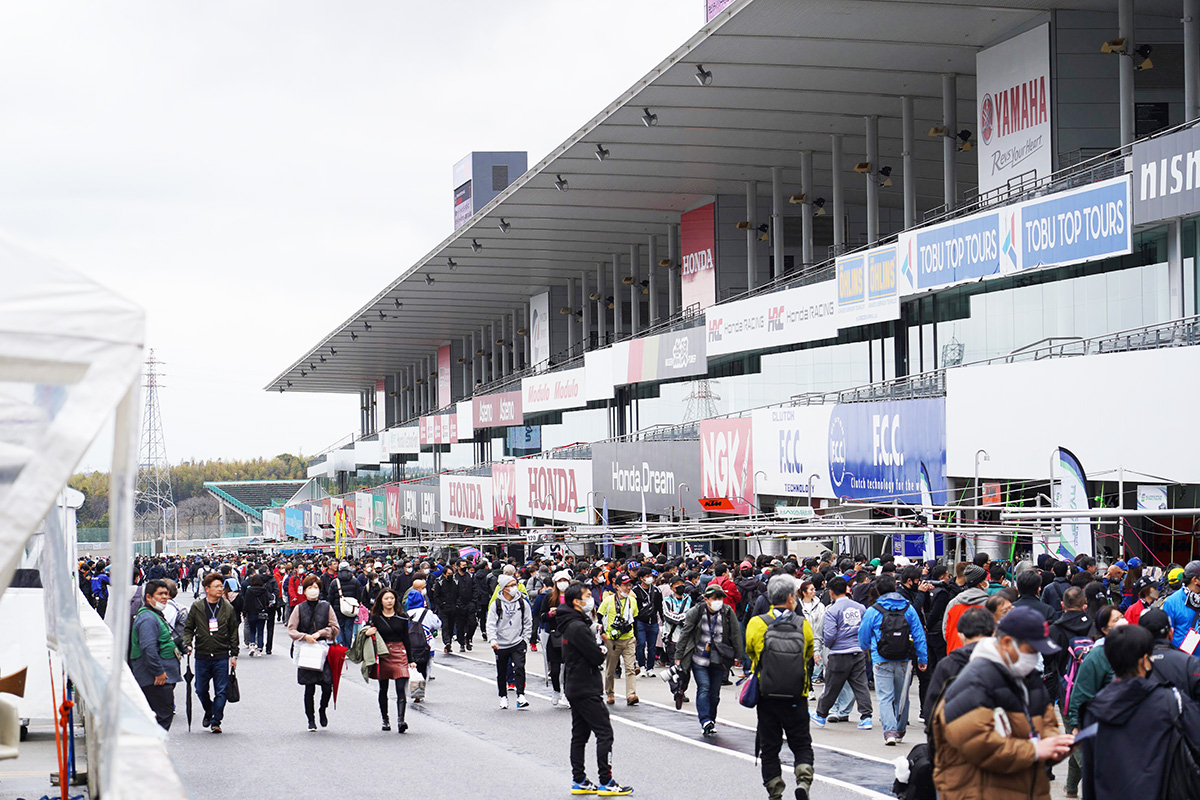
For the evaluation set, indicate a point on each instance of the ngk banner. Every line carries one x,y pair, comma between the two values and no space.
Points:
553,489
504,495
498,410
1013,87
861,451
698,270
393,509
726,462
554,391
467,500
802,314
419,507
630,476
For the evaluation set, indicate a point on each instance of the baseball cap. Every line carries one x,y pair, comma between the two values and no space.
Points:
563,575
1191,570
713,590
1156,621
1135,562
623,579
1121,565
1030,627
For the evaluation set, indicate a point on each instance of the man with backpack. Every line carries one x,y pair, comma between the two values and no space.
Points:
844,663
1072,633
779,645
890,630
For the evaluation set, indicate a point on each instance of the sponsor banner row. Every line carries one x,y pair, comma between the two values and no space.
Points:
557,391
650,477
439,429
793,316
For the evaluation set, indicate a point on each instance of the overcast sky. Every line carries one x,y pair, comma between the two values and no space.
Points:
253,172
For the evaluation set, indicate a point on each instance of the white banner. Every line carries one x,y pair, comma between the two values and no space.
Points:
539,330
467,500
554,391
790,447
402,440
802,314
465,411
599,367
553,489
273,525
1013,87
364,510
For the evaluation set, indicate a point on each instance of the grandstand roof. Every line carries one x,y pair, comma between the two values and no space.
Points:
251,497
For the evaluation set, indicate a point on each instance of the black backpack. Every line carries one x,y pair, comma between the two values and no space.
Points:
782,667
895,637
919,785
1182,779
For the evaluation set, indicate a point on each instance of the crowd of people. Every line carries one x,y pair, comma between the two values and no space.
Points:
1018,667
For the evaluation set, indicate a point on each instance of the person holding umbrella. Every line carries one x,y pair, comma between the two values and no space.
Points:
314,622
394,664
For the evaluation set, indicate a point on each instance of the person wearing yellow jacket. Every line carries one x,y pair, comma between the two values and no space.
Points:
617,613
784,684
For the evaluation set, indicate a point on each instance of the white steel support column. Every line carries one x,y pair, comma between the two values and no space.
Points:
752,234
777,221
910,164
522,344
950,142
1125,22
673,282
1191,59
510,344
586,306
476,371
806,209
466,367
494,370
652,268
1175,268
839,198
601,311
873,179
635,291
481,375
429,385
618,317
570,319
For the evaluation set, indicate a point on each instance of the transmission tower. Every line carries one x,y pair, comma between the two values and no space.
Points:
702,402
155,503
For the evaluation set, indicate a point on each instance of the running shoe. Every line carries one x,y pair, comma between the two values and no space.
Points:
522,702
865,724
818,721
584,787
710,728
836,718
504,702
614,789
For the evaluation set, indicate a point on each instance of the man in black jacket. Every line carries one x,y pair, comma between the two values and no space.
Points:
583,686
1052,595
345,585
649,606
1029,583
1169,663
975,623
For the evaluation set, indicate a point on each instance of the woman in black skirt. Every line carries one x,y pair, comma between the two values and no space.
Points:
313,621
392,625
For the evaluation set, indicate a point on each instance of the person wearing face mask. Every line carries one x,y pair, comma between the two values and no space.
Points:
314,621
709,644
550,605
1138,720
510,620
1094,674
153,657
420,613
674,610
617,613
1183,607
398,662
649,611
211,629
995,731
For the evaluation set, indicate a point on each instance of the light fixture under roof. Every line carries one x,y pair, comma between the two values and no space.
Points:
819,205
798,199
480,351
594,296
452,264
504,225
396,301
560,183
366,325
601,152
521,331
382,316
428,280
628,280
353,336
664,262
321,359
475,245
332,352
649,119
703,76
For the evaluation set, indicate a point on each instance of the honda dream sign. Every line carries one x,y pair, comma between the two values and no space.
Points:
654,475
1014,109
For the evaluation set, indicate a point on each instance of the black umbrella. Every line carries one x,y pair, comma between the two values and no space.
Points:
187,677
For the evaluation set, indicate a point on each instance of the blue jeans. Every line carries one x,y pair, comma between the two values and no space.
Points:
346,626
254,632
891,689
216,671
708,690
844,703
647,644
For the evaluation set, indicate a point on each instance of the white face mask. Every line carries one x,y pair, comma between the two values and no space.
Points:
716,605
648,581
160,606
562,585
312,593
1025,664
589,604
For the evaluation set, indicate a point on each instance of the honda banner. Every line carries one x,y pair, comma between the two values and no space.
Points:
498,410
727,463
444,397
553,489
802,314
467,500
504,495
554,391
654,477
698,263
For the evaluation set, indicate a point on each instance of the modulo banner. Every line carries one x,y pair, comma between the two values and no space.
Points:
861,451
554,489
554,391
467,500
632,476
801,314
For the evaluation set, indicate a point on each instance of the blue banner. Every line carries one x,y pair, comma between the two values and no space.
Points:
293,520
1076,226
957,252
876,450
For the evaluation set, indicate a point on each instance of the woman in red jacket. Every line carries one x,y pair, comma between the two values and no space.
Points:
1146,598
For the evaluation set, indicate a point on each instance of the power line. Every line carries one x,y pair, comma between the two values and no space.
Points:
155,502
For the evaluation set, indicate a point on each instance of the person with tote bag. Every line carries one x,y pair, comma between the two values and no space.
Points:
313,626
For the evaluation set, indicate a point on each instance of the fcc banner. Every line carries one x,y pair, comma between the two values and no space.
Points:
632,476
554,489
1013,87
1166,175
861,451
803,314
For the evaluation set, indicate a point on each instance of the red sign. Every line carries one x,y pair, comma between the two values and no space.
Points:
498,410
717,504
443,378
699,263
393,509
504,495
726,462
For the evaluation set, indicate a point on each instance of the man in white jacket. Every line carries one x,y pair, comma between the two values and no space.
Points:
510,623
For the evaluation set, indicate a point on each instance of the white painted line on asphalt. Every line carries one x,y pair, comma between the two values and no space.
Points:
680,738
843,750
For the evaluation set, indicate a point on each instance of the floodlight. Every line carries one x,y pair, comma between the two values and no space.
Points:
504,225
703,76
649,119
601,153
475,245
561,183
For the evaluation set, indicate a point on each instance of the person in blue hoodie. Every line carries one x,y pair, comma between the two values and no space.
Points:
883,633
1183,607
